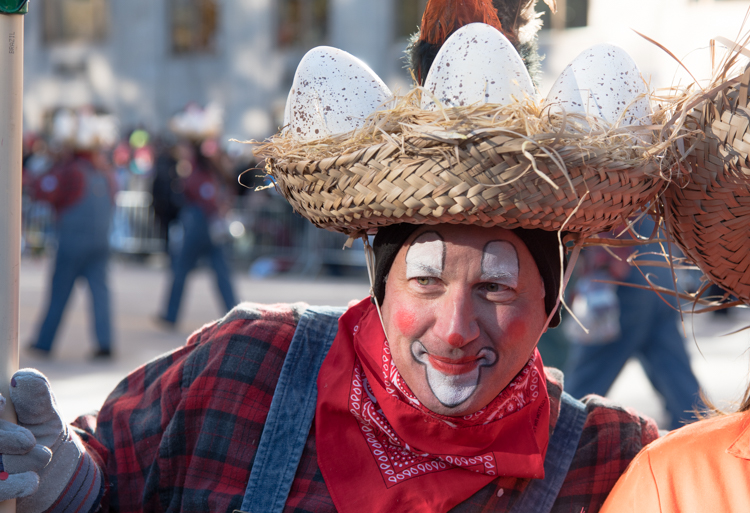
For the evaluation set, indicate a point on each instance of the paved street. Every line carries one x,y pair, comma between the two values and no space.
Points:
721,363
80,384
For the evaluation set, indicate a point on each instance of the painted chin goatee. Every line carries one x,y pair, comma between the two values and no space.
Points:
453,389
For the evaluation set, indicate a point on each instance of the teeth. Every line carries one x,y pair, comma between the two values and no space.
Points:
477,64
332,93
603,81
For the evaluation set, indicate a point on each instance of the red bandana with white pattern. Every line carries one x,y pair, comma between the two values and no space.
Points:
371,429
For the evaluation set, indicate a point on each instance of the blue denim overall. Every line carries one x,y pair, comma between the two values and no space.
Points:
293,408
82,250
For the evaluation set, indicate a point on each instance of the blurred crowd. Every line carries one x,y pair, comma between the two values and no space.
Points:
188,185
144,161
153,166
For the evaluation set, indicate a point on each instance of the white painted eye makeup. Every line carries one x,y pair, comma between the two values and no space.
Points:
500,263
425,257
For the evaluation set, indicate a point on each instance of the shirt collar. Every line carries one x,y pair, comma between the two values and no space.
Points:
741,445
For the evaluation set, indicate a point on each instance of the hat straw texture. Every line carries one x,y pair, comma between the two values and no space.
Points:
707,205
482,165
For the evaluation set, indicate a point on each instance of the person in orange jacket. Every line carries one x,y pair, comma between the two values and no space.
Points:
704,466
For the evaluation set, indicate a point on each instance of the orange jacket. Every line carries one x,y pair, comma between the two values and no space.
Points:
701,467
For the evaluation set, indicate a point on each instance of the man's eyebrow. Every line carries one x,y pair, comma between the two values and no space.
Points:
498,276
418,269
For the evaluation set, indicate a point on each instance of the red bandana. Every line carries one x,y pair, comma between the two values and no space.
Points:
380,450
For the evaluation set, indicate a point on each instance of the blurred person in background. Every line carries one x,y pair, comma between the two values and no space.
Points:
37,158
205,234
628,322
81,191
167,191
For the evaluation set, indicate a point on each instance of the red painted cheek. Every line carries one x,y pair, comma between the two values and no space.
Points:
406,320
516,329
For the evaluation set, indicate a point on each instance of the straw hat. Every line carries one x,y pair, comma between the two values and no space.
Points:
707,205
425,158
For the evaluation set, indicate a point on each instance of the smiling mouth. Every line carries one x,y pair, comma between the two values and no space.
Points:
453,380
486,357
454,367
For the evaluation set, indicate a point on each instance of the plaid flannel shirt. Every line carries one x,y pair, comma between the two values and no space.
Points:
180,433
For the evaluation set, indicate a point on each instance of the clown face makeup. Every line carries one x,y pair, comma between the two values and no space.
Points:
425,256
463,310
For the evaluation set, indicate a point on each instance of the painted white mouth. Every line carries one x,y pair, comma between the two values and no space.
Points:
452,389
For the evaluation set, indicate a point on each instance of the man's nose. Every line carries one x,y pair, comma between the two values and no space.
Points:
456,322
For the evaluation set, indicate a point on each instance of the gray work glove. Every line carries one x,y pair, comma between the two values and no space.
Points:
41,455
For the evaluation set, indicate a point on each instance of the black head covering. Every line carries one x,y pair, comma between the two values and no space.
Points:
542,244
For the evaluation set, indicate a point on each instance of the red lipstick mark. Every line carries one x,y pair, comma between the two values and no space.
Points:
454,367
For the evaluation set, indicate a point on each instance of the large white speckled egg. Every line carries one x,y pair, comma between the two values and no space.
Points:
332,93
477,64
603,81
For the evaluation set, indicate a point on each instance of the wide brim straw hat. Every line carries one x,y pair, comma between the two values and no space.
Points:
470,143
513,166
706,207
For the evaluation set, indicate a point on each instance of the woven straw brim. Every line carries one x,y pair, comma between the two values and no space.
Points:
707,207
463,166
484,180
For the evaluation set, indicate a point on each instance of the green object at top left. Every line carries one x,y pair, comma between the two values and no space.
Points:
14,6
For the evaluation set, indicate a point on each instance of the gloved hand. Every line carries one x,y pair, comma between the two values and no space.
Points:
22,459
44,462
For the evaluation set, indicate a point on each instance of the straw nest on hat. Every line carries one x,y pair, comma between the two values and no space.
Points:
428,158
706,207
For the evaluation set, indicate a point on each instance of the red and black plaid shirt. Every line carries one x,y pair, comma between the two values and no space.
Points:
180,433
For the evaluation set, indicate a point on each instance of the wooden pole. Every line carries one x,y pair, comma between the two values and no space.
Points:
11,133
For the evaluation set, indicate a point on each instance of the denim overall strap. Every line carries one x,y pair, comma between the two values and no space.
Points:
540,494
291,413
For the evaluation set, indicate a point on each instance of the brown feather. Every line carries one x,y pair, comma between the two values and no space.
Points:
514,15
443,17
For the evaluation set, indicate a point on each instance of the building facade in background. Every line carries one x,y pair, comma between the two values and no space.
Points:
144,61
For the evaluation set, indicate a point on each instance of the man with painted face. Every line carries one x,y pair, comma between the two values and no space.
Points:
441,403
430,396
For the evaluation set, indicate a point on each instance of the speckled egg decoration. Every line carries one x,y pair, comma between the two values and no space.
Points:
332,93
477,64
603,81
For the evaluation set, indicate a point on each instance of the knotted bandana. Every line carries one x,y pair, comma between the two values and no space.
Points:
379,449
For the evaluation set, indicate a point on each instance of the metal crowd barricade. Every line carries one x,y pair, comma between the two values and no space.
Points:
286,242
37,229
135,229
262,225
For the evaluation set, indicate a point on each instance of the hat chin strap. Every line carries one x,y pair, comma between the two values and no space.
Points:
565,278
370,261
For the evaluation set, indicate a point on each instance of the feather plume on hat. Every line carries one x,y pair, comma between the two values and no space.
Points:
516,19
